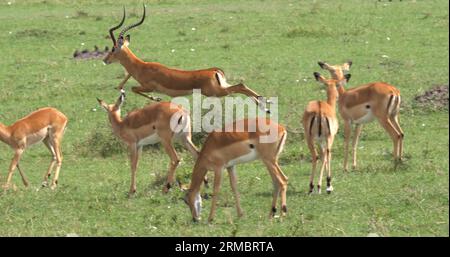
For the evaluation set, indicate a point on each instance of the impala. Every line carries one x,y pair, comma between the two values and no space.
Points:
159,122
227,149
46,125
363,104
321,125
153,76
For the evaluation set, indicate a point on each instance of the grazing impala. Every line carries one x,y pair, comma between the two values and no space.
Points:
156,77
363,104
46,125
227,149
160,122
321,125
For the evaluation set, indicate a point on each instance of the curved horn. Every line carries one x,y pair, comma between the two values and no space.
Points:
111,30
134,25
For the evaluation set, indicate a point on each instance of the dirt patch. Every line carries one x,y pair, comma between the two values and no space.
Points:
86,54
436,97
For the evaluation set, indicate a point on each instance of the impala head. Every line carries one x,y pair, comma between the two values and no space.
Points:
194,201
332,82
122,42
113,109
336,71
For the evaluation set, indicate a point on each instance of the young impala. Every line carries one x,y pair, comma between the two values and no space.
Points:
363,104
321,125
156,77
46,125
227,149
159,122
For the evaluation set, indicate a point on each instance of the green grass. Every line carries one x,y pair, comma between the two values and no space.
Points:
270,45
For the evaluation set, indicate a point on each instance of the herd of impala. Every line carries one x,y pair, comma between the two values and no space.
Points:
163,122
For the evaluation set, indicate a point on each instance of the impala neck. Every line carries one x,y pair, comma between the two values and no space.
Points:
197,176
332,94
341,90
130,61
116,121
5,134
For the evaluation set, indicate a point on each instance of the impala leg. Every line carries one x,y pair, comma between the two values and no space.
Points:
217,184
233,183
134,158
330,144
17,154
140,91
52,163
174,161
277,187
347,135
323,156
395,123
393,133
356,135
243,89
59,157
284,180
313,151
22,175
122,83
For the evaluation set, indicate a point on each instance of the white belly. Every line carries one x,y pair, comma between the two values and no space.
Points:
150,140
368,117
37,137
251,156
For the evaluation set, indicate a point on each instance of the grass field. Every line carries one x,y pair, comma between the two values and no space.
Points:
273,46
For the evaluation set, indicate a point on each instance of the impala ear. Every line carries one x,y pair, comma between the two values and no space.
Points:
319,77
102,104
121,99
347,77
321,64
349,63
127,38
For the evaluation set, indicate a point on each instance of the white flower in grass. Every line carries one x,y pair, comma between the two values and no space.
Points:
94,109
193,29
385,56
305,79
388,39
10,32
82,44
67,16
173,50
258,178
9,3
297,80
192,50
423,124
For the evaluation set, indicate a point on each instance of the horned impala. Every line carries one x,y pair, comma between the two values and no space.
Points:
155,77
159,122
46,125
321,125
363,104
227,149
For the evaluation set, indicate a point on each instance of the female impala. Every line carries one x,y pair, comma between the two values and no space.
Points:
156,77
227,149
159,122
363,104
321,125
46,125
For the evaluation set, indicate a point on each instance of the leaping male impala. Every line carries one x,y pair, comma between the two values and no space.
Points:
156,77
227,149
363,104
46,125
321,125
159,122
